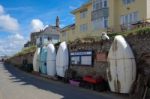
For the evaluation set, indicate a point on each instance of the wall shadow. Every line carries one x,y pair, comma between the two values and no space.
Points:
69,92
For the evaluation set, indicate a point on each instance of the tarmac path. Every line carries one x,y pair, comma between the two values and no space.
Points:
15,84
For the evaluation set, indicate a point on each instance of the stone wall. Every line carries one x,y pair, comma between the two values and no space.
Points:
18,60
100,65
140,45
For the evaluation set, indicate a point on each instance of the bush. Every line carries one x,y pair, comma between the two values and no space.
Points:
26,50
143,30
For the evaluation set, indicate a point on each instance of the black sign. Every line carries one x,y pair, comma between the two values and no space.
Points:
82,58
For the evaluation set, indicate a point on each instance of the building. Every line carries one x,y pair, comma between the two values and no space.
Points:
97,16
68,33
51,32
27,44
124,13
82,24
33,37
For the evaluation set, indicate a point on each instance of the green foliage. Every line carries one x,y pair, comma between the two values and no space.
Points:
143,31
138,31
57,44
26,51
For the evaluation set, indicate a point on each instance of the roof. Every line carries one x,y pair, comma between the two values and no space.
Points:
82,7
68,27
44,30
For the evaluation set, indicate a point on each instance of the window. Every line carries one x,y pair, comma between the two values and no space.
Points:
64,34
96,5
122,20
100,23
129,18
135,17
55,39
73,31
83,27
99,4
127,1
126,19
38,42
105,22
45,40
83,14
105,4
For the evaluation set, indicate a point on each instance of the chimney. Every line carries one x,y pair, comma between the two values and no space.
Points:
57,21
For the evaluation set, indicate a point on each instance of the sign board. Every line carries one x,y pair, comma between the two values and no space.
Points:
81,58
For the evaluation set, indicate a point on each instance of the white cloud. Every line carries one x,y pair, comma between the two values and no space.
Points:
16,37
12,44
8,23
1,10
37,25
62,25
72,7
14,41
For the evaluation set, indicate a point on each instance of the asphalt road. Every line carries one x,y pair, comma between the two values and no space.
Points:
15,84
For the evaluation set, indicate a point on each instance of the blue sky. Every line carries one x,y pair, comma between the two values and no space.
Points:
18,18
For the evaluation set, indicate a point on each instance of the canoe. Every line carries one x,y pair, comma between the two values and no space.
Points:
43,60
62,60
51,60
36,60
121,72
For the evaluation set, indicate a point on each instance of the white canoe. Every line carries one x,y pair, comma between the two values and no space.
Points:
51,60
121,72
62,60
36,60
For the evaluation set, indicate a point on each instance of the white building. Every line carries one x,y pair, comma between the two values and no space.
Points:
51,33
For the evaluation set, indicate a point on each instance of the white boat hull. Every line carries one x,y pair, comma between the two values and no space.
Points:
36,60
121,72
51,60
62,60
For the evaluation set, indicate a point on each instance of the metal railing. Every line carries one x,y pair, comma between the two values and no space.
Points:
132,26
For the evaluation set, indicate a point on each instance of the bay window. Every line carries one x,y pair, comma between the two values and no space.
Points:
83,14
83,27
129,18
99,4
100,23
127,1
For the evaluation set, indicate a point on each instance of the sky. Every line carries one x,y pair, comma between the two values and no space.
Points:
18,18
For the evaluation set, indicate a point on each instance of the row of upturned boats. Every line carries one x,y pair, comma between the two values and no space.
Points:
121,71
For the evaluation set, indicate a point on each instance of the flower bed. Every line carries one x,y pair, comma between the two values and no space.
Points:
74,83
